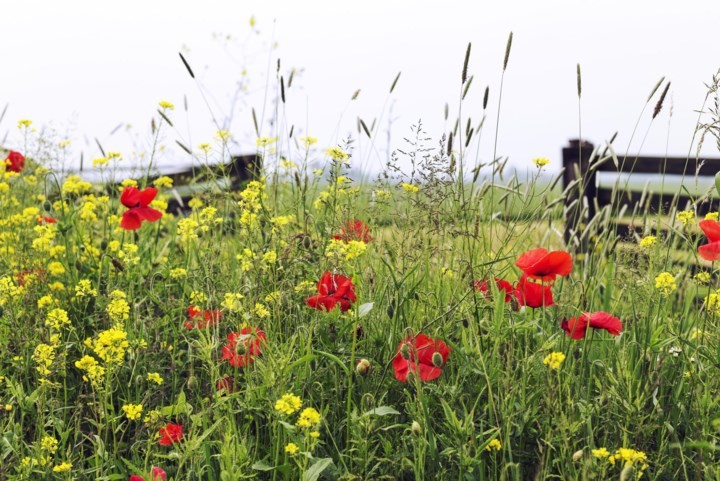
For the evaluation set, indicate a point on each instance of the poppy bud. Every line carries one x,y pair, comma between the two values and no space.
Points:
437,359
192,382
118,265
47,206
416,428
359,332
577,455
362,367
405,351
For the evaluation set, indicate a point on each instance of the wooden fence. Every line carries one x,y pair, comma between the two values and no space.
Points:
584,198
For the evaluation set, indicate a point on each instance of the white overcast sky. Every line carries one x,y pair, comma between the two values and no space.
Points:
84,67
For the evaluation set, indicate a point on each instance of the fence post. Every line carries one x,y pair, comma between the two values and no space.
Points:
576,160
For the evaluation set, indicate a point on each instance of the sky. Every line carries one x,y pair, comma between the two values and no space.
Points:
79,69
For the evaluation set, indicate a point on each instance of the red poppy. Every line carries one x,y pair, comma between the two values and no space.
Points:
711,250
540,268
226,383
356,230
422,355
157,474
200,319
137,202
334,289
15,161
502,286
242,347
532,292
43,219
540,263
576,327
169,434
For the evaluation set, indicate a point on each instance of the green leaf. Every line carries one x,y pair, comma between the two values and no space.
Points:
365,309
314,471
336,360
287,426
380,411
717,182
262,466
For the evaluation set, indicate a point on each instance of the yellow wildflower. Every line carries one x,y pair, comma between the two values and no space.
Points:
554,360
540,162
288,404
132,411
665,283
685,216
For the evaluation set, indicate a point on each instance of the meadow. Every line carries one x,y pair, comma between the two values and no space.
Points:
430,324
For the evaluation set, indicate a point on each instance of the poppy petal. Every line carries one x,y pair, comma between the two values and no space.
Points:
575,327
711,229
130,220
148,213
146,196
710,252
400,366
130,197
603,320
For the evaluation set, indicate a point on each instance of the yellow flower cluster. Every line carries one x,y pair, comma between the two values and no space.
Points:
665,283
9,290
163,182
412,189
94,372
685,216
288,404
178,273
712,216
231,301
338,155
251,203
132,411
307,141
495,444
261,311
49,444
110,346
45,236
540,162
554,360
712,302
339,249
118,309
309,417
75,185
57,319
155,377
702,278
263,142
188,229
44,356
62,467
648,241
84,288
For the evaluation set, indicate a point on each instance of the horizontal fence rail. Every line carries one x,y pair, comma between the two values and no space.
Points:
585,198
